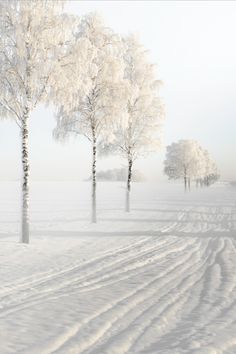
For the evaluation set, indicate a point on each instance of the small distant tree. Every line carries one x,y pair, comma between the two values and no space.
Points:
201,166
136,132
211,173
33,36
93,100
183,160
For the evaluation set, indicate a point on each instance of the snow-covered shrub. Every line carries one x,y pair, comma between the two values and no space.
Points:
120,175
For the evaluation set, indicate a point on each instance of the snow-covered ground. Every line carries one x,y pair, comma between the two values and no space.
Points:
159,280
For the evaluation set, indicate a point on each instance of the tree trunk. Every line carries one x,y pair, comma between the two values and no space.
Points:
189,184
185,178
130,164
94,182
25,149
185,183
25,179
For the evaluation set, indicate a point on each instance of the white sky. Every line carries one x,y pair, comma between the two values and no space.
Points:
193,43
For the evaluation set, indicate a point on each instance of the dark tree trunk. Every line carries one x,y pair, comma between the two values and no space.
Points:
25,148
185,183
189,183
128,187
185,179
25,179
94,180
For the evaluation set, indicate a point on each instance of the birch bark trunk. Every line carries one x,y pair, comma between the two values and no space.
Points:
128,188
94,179
25,178
25,149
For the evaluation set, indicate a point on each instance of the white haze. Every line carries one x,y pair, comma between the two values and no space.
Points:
193,45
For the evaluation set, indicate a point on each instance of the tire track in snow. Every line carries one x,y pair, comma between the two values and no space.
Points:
214,259
25,294
215,310
187,328
77,327
144,318
150,286
38,299
45,288
26,282
45,277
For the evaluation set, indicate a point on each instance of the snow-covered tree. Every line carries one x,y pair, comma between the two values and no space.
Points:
211,174
184,160
136,131
94,100
200,165
188,160
32,34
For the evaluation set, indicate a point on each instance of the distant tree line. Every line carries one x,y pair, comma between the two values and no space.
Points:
188,161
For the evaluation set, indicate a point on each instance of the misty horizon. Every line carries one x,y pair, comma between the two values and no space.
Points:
196,65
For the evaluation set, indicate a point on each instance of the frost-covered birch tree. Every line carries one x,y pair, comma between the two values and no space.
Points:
32,34
136,130
93,102
183,160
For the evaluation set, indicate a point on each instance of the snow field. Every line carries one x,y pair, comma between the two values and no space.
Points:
160,280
